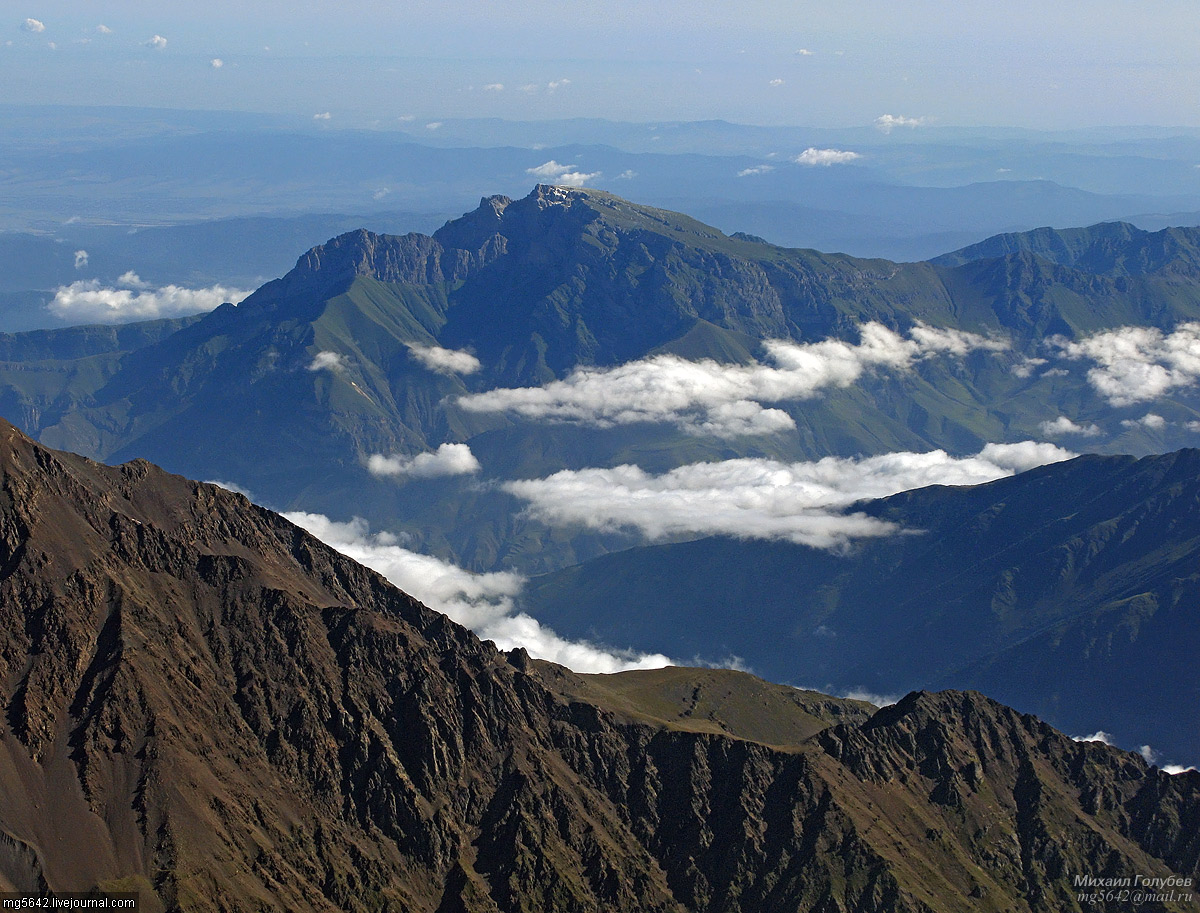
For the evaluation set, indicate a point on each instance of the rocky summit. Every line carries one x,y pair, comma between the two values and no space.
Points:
207,705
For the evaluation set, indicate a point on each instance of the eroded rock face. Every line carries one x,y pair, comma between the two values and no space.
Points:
203,700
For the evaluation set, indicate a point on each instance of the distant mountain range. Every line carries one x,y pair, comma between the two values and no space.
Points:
210,707
534,289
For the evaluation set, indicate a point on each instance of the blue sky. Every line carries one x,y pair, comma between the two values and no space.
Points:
1069,64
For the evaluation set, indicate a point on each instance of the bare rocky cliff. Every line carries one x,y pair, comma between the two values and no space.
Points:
205,702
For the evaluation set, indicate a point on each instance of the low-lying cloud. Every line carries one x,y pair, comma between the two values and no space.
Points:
132,299
886,123
1138,364
763,499
482,602
709,398
447,460
446,361
564,175
825,157
1064,426
328,361
757,169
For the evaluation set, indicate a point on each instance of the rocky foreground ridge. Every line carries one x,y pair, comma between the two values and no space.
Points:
206,703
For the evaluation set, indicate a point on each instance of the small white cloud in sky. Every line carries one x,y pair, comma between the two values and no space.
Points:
446,361
216,63
1099,736
775,82
757,169
324,115
494,87
763,499
482,602
565,175
103,29
1138,364
813,156
886,123
1063,425
447,460
434,125
134,299
156,42
626,175
709,398
555,84
33,25
81,259
804,52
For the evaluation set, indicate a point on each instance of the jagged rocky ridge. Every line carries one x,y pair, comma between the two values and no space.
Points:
205,702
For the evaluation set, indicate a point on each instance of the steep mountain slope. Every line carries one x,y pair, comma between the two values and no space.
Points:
1070,591
1113,249
205,702
290,393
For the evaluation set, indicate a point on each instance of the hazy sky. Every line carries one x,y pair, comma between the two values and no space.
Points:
1065,64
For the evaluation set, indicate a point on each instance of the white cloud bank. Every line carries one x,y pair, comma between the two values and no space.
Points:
447,460
33,25
764,499
708,398
1138,364
565,175
482,602
446,361
134,299
825,157
757,169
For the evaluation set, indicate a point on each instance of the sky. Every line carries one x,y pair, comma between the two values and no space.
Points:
1062,65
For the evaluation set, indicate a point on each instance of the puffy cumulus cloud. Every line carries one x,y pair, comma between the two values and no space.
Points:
1063,426
1149,421
709,398
826,157
1192,426
324,115
566,175
156,42
886,123
757,169
103,29
627,175
1138,364
775,83
328,361
482,602
33,25
446,361
1175,769
216,63
133,299
1098,736
804,52
81,259
763,499
447,460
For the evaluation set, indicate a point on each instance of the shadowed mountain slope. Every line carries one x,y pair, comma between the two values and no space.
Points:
203,701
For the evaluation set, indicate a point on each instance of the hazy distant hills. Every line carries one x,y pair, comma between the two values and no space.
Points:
1071,591
208,706
290,393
